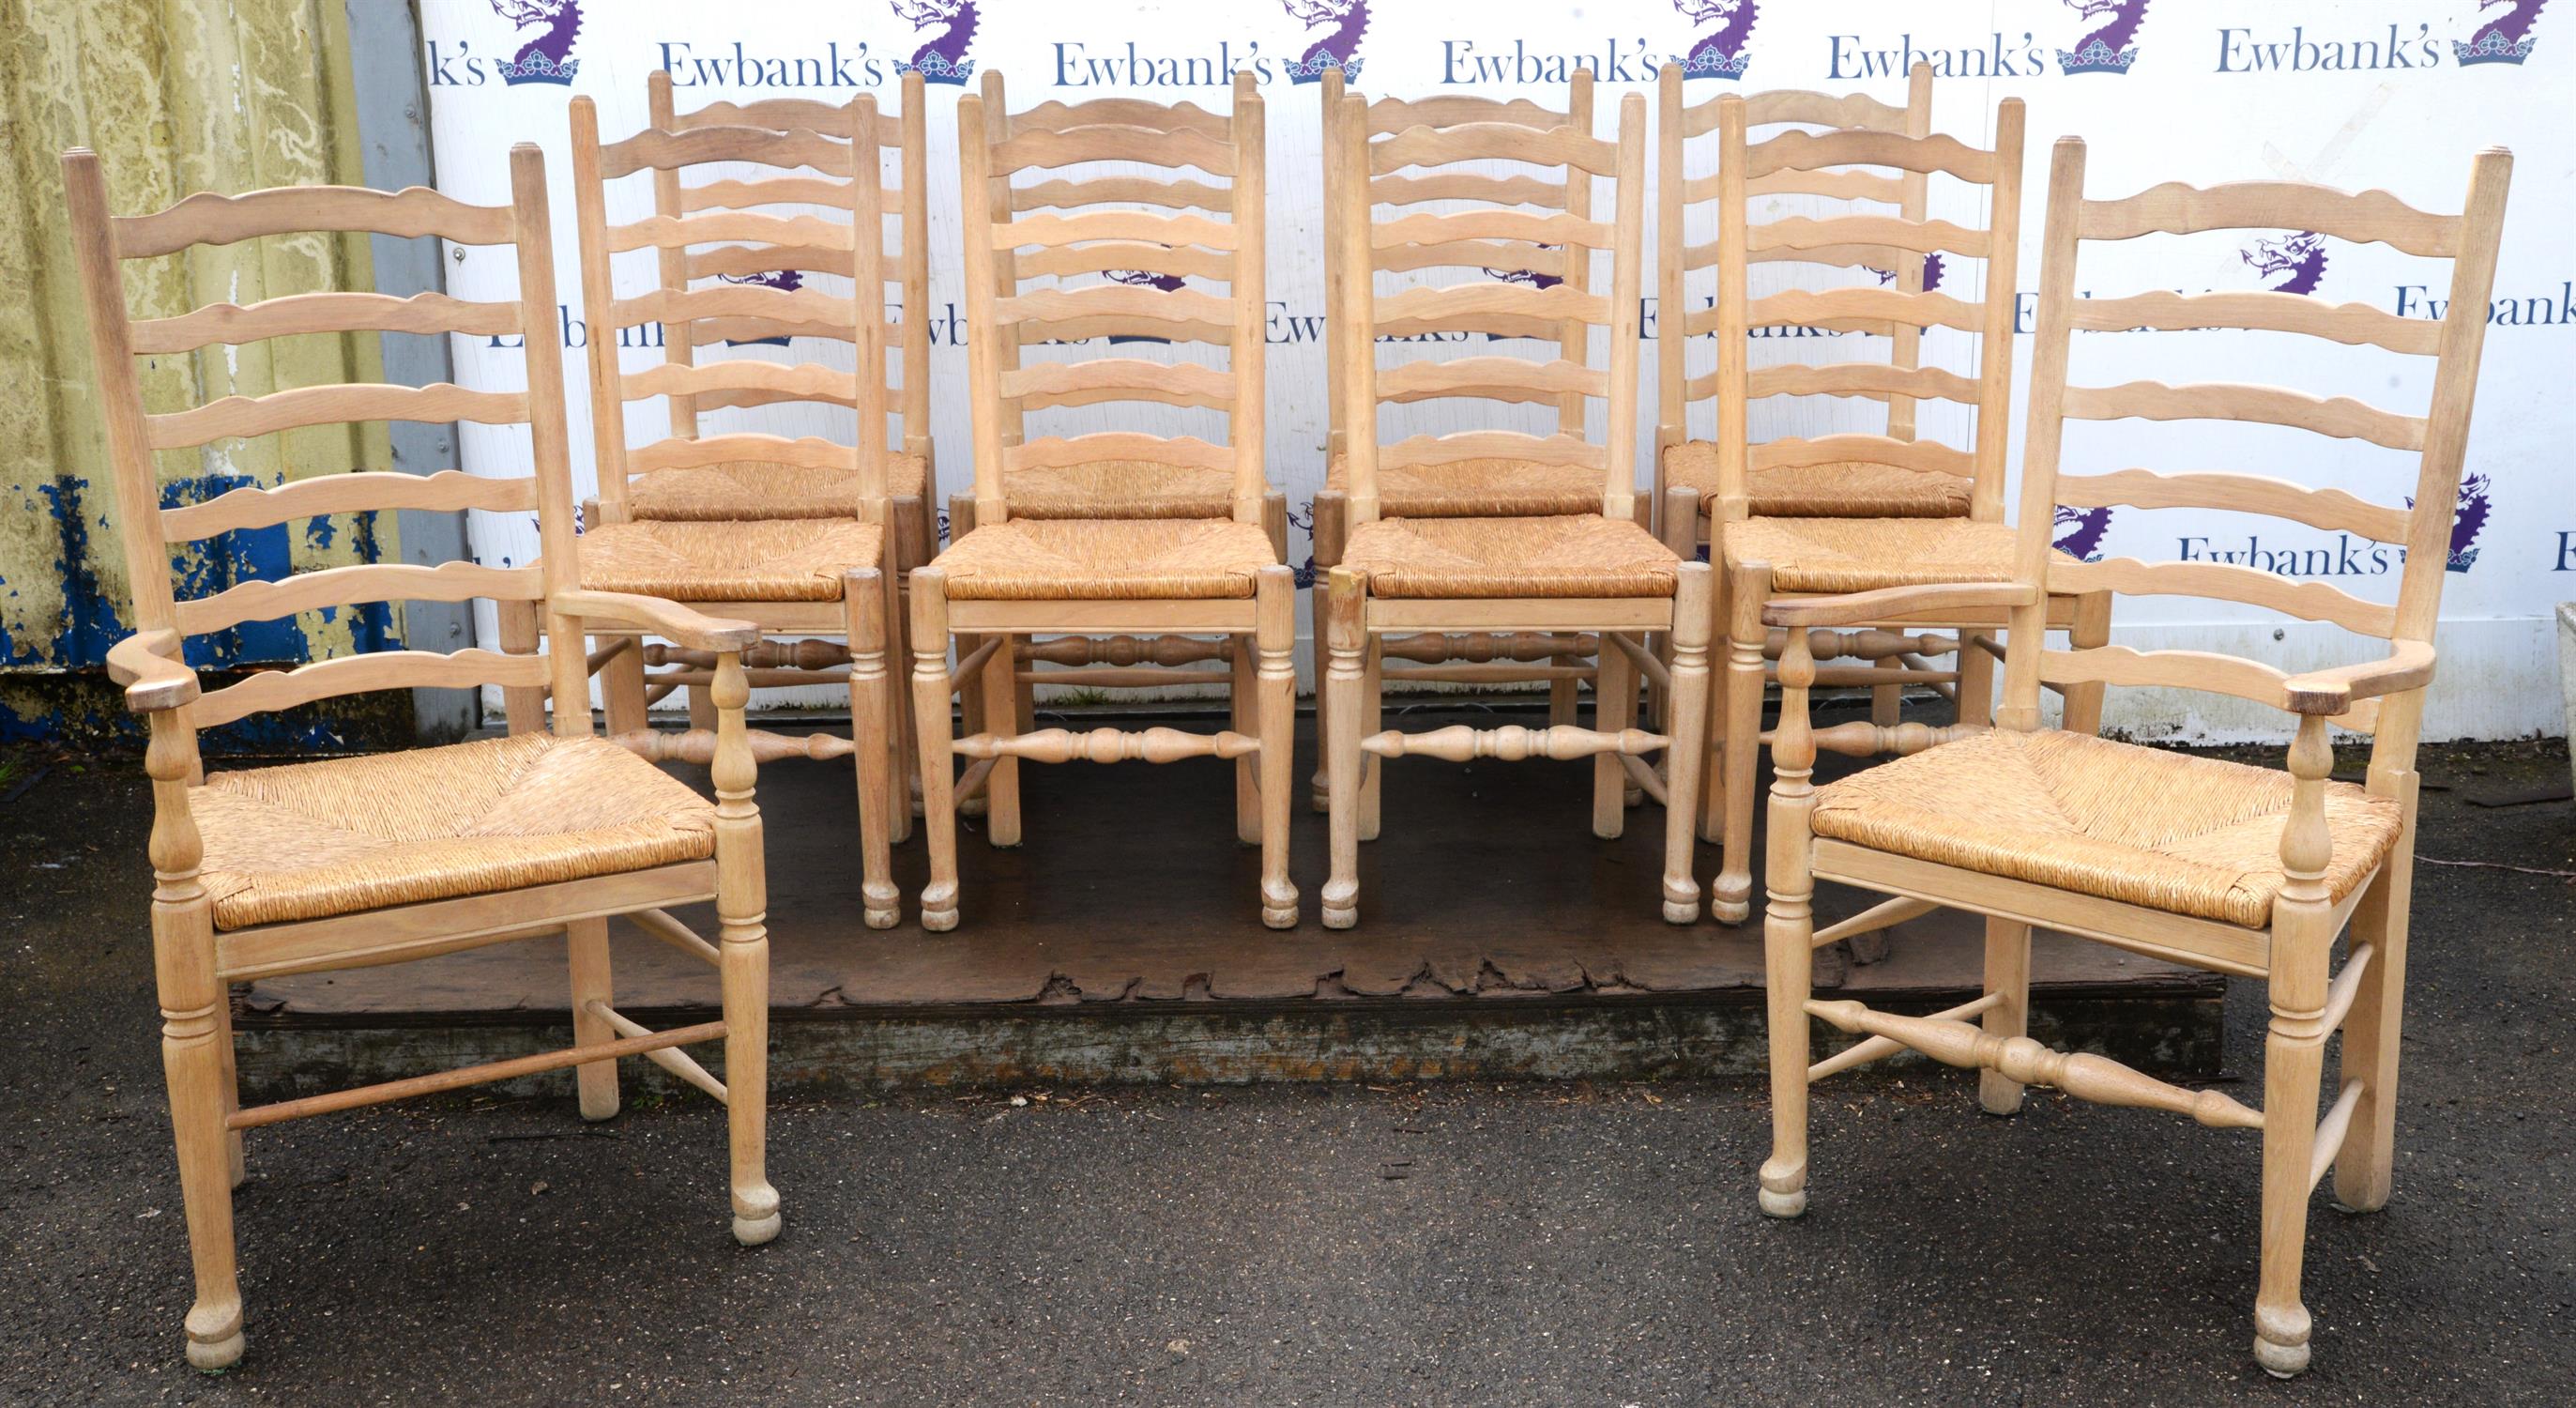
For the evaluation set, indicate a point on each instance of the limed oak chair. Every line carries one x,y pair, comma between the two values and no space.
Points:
1012,576
1599,571
1763,557
803,573
2232,867
355,861
1492,487
1854,489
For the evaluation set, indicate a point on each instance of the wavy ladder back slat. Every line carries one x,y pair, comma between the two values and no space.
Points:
1067,222
1531,243
149,532
1903,312
904,259
1893,244
845,143
1549,244
2435,439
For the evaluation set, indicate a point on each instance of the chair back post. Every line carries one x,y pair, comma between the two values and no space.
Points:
129,451
976,200
1336,437
1672,336
1619,494
916,270
1574,342
2051,339
598,293
1906,347
1006,262
1357,315
1246,428
549,435
867,299
1734,499
2446,434
671,265
2002,299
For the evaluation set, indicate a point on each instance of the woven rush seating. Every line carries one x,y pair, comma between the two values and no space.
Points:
309,840
1482,488
1865,554
2174,832
1118,490
1848,489
1588,556
720,492
797,559
1064,559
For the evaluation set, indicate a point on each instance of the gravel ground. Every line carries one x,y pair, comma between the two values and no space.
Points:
1443,1244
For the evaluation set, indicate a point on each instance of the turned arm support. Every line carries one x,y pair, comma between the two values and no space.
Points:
147,663
1888,603
2409,666
663,618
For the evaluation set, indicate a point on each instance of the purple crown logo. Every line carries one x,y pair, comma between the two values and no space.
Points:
1338,48
548,57
1722,51
2301,256
942,60
2112,45
2506,39
2079,531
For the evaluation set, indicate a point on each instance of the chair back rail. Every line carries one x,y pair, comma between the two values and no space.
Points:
1565,310
103,243
1903,312
905,259
1564,256
2435,438
847,142
1890,242
1038,207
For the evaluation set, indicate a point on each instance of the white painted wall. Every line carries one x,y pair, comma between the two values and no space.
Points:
2356,93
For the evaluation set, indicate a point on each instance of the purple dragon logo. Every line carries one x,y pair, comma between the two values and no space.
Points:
2112,45
2506,39
942,60
548,57
2080,530
783,280
1720,52
1338,48
2301,256
1932,267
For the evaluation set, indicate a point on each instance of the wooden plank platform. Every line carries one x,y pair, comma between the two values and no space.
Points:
1122,941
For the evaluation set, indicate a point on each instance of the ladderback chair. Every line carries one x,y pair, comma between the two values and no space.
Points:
1075,239
355,861
1847,490
1766,556
754,489
1598,571
2238,868
800,574
1492,487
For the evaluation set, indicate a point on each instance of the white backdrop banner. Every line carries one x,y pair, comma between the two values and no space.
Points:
2355,93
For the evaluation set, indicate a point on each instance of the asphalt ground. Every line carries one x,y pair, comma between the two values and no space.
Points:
1436,1244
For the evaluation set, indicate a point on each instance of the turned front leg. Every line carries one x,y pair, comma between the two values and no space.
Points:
932,726
1748,591
2303,934
872,721
1275,682
1687,705
1788,934
1345,680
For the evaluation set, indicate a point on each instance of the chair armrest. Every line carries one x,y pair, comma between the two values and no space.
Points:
1857,607
147,664
663,618
2409,666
